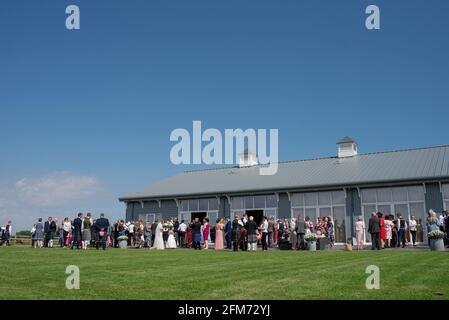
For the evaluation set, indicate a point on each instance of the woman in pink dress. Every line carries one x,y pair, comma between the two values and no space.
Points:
206,229
219,227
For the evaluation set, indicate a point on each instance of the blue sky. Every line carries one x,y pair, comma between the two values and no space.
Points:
85,116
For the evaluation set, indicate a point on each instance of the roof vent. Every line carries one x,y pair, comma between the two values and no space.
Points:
248,158
347,147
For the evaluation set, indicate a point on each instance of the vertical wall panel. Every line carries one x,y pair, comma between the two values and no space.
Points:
284,206
434,198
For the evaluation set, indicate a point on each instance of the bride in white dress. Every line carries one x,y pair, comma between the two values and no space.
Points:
158,240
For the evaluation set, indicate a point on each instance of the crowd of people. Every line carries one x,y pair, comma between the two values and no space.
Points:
5,233
240,233
388,231
82,232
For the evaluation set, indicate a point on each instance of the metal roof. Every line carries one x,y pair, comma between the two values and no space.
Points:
382,167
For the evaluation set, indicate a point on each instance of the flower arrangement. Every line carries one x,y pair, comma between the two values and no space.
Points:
436,234
311,237
122,238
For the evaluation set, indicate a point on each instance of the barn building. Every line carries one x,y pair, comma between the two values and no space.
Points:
346,186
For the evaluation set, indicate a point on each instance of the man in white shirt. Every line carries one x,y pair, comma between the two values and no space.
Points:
441,221
265,234
130,233
182,233
412,225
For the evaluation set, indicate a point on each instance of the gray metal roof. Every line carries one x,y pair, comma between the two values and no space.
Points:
382,167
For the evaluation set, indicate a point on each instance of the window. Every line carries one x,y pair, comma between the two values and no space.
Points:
416,209
406,200
213,204
324,199
445,191
400,194
384,195
149,217
236,203
236,213
271,201
321,204
310,199
367,210
186,216
208,205
384,208
339,216
402,209
271,213
259,202
254,202
338,197
249,202
416,193
266,202
369,196
193,205
297,199
204,205
213,216
325,212
311,213
298,213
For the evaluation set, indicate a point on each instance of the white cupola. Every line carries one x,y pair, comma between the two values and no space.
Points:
347,147
247,158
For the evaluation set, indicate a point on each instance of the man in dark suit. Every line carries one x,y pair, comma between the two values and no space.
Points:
76,226
300,231
175,230
196,234
236,233
49,231
374,230
401,225
153,231
116,233
228,233
103,228
251,228
271,229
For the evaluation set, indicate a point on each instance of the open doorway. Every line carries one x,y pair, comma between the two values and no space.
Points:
257,214
199,215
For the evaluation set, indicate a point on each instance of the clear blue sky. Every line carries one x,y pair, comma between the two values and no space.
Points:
100,103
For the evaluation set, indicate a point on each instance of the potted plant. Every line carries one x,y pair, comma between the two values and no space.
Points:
311,241
122,242
436,238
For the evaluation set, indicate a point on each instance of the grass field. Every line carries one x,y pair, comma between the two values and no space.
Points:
207,275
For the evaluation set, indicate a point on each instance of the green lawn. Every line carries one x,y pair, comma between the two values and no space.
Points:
28,273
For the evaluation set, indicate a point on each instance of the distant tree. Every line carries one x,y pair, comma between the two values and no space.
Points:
24,233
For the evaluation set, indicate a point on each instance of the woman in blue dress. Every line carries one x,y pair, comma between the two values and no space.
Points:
38,234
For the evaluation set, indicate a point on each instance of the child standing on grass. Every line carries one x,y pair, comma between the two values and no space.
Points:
69,239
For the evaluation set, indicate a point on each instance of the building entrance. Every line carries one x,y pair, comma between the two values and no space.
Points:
257,214
199,215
